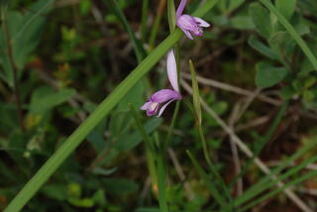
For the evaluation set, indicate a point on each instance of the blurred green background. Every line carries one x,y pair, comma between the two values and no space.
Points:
60,59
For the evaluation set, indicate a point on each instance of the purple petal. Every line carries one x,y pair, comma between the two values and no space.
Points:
186,22
181,8
172,70
152,112
165,95
150,107
188,34
191,25
146,105
201,22
164,107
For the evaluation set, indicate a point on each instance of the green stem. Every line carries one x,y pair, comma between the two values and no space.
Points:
161,180
171,22
149,147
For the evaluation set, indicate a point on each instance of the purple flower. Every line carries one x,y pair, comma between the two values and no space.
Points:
191,26
158,102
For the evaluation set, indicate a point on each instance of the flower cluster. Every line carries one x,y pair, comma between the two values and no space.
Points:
191,26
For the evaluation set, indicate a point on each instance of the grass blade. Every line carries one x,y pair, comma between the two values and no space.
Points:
198,116
266,182
274,192
263,140
209,183
137,46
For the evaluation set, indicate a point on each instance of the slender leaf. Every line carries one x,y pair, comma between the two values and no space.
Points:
137,46
208,182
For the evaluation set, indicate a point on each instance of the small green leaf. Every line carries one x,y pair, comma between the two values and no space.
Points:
286,7
210,184
24,32
130,140
262,48
268,75
283,44
241,22
45,98
261,19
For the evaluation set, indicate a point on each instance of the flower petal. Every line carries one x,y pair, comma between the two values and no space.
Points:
165,95
186,22
181,8
146,105
172,70
153,111
164,107
188,34
201,22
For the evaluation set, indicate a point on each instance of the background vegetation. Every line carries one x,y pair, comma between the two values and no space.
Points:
242,139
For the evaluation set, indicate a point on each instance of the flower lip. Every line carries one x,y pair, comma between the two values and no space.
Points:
191,25
165,95
158,102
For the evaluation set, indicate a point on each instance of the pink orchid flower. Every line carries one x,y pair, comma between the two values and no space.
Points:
191,26
158,102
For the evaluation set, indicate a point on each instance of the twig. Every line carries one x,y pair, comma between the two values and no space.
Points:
237,113
235,154
310,191
245,149
233,89
146,188
248,102
253,123
180,173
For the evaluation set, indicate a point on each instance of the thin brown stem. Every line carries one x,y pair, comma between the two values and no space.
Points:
246,150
